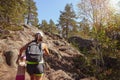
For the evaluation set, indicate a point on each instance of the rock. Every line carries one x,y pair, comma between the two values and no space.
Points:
11,57
59,43
59,75
62,49
90,78
61,54
55,53
1,59
26,26
83,44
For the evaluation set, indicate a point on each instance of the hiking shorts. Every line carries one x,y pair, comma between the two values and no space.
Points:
36,69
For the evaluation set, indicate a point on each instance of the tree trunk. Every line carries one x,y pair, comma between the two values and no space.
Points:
29,9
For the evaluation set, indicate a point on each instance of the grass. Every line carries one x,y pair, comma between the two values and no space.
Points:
14,28
6,28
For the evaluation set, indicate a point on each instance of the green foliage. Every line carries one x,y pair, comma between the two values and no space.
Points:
104,45
105,40
75,45
84,64
89,67
31,13
14,28
49,27
67,20
11,27
52,27
104,31
84,29
11,11
44,26
18,12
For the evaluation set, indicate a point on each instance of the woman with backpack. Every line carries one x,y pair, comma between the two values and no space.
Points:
34,52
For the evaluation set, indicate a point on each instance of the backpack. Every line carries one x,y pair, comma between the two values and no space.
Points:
34,52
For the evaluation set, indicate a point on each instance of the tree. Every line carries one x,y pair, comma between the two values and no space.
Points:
52,27
66,20
97,12
103,26
44,26
31,13
11,11
84,28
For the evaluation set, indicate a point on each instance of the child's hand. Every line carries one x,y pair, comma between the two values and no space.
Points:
22,61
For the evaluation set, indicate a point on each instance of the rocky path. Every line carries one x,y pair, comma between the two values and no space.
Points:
59,65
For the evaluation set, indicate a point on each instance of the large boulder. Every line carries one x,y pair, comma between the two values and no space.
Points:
82,44
11,57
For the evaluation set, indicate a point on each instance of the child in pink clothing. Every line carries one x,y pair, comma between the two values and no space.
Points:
21,69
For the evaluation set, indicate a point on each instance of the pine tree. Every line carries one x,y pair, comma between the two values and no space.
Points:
52,27
67,17
44,25
11,11
84,28
74,30
31,13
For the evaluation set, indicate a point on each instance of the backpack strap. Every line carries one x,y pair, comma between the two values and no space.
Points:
40,46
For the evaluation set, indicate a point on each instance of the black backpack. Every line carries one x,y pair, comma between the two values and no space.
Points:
34,52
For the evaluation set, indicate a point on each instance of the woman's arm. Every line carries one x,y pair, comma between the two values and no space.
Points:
45,48
20,52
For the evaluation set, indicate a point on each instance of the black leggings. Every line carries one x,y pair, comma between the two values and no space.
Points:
35,69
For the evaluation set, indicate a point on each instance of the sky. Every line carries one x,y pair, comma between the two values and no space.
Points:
50,9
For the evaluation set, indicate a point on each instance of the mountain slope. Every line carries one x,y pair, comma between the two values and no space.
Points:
59,65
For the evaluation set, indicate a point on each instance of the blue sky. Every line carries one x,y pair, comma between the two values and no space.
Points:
50,9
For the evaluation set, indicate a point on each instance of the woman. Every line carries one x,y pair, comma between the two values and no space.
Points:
35,68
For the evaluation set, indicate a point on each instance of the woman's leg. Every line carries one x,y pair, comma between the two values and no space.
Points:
32,77
39,72
39,77
30,70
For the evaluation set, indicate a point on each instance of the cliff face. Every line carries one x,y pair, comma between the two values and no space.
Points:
59,64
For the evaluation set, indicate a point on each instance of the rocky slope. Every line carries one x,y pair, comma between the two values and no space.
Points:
60,64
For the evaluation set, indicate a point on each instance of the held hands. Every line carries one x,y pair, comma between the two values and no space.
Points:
21,61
